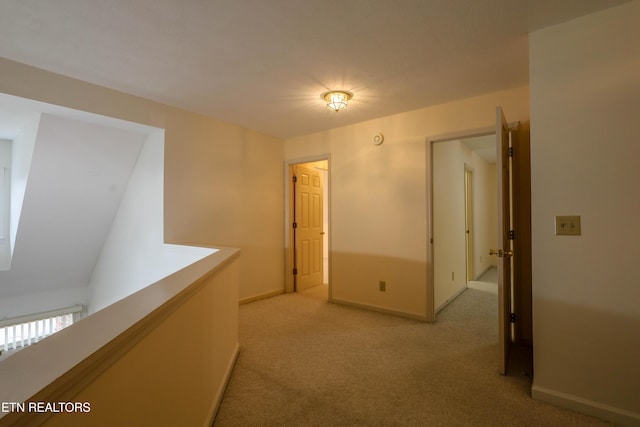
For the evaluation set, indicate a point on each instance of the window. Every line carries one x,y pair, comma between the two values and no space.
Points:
26,330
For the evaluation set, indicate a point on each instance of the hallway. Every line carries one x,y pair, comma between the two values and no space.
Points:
305,361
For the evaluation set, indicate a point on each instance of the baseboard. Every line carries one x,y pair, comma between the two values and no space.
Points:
585,406
213,411
262,296
486,270
456,295
413,316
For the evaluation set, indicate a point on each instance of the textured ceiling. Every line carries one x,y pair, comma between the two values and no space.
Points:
263,64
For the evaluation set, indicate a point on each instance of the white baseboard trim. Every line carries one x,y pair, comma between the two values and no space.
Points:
213,411
484,272
262,296
378,309
446,303
585,406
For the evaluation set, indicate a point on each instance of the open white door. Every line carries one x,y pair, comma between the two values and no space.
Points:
504,252
308,228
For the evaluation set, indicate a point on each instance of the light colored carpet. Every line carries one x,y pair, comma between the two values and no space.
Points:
490,276
487,282
307,362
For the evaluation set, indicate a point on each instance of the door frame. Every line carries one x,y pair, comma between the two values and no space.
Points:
520,204
289,243
468,221
431,309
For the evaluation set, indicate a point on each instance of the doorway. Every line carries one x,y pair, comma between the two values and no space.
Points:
308,227
511,182
468,220
464,214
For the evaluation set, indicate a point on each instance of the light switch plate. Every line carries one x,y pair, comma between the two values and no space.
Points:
567,225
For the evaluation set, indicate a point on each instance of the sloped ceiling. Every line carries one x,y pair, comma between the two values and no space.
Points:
78,175
263,64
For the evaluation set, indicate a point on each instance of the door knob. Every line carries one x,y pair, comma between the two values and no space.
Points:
500,253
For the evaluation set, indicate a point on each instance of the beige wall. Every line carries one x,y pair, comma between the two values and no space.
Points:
379,197
153,384
223,183
585,110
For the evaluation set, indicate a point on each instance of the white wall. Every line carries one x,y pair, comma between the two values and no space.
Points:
378,197
485,216
449,260
41,301
585,110
5,190
223,183
21,155
134,254
5,203
77,175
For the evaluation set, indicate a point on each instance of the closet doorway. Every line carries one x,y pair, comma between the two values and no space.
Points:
308,226
512,232
464,214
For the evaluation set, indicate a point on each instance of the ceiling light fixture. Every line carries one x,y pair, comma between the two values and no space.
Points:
337,99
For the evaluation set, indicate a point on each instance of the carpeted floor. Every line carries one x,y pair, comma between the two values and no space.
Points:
307,362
